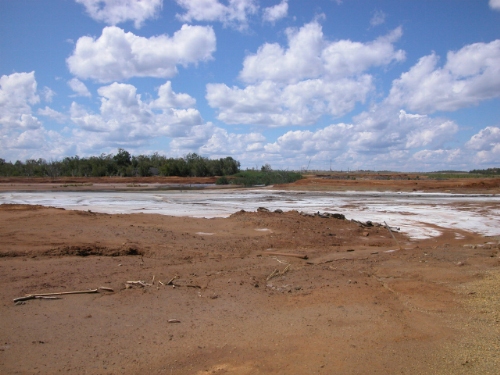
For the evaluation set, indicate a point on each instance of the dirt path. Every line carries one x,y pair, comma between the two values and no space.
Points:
354,306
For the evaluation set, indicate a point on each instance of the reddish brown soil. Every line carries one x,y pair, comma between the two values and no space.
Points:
397,182
351,308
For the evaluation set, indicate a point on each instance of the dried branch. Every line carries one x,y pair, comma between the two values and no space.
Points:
40,296
301,256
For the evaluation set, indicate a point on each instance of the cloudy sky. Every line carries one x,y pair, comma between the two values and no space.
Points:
408,85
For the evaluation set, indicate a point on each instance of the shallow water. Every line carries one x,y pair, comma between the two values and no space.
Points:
415,213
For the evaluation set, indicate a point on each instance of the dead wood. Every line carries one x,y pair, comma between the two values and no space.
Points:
171,281
301,256
390,231
42,296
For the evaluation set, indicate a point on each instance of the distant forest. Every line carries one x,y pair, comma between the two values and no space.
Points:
122,164
489,171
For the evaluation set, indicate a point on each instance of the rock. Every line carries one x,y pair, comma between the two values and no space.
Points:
278,211
338,216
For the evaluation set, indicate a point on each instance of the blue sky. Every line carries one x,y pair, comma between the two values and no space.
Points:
409,85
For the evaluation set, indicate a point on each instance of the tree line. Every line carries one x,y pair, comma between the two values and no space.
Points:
122,164
489,171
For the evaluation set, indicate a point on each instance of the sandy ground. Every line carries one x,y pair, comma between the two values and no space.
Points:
357,305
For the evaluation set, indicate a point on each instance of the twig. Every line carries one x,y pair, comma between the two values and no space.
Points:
280,261
274,273
301,256
389,229
170,282
277,272
34,296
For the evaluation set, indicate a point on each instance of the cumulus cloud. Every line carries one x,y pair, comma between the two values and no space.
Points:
114,12
168,98
469,76
53,114
310,55
235,13
79,87
299,84
486,144
436,158
487,139
125,117
495,4
378,18
387,127
275,13
221,142
305,143
118,55
302,103
17,95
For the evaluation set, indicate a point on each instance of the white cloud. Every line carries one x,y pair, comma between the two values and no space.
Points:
495,4
53,114
48,94
114,12
79,87
310,55
303,103
276,12
378,18
234,14
125,118
17,94
297,85
436,156
487,139
29,139
469,76
210,140
305,143
168,98
117,55
223,143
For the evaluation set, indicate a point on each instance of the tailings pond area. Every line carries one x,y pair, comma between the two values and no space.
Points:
249,281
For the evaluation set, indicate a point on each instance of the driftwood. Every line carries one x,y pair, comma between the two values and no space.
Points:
42,296
301,256
390,231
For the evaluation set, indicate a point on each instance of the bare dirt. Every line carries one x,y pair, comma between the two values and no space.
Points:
357,305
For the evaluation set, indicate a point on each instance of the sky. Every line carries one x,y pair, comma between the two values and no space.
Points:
402,85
